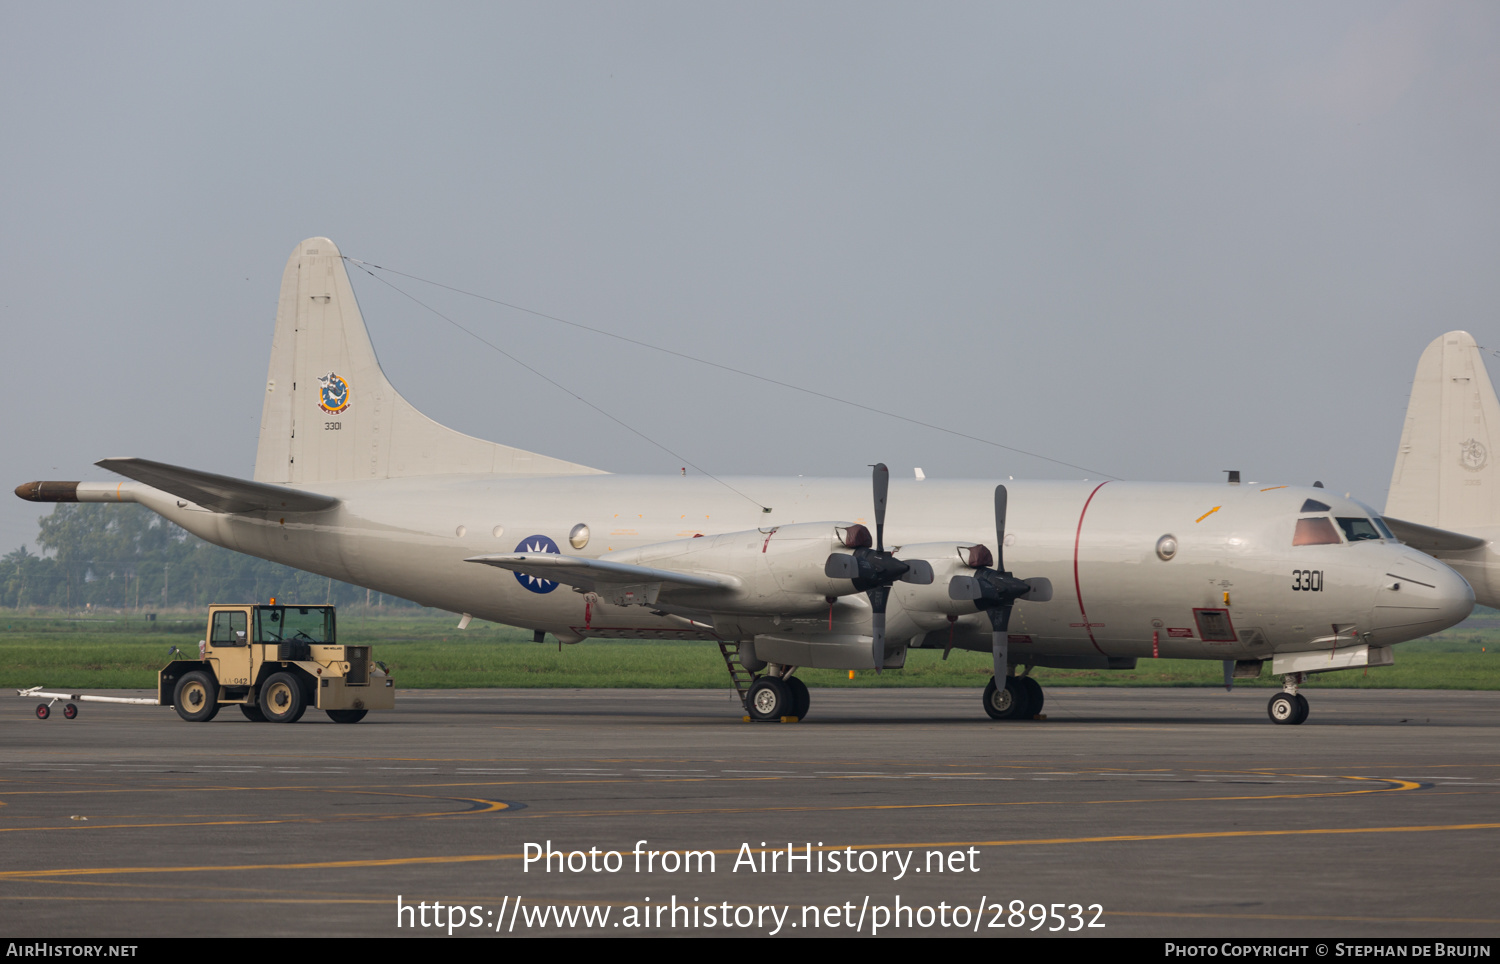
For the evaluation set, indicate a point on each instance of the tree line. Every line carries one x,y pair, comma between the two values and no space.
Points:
126,557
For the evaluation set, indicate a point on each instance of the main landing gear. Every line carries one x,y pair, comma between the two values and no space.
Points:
775,696
1021,698
1289,707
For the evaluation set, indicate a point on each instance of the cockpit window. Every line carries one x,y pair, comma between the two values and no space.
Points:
1358,529
1316,532
1313,505
1385,530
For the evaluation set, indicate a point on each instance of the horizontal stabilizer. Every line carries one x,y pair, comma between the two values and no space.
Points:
1429,539
601,575
221,493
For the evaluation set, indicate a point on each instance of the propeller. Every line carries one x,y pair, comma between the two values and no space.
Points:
993,590
873,569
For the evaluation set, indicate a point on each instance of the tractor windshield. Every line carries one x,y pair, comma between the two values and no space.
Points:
286,624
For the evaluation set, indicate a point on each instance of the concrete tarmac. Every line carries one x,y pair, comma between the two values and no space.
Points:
1126,812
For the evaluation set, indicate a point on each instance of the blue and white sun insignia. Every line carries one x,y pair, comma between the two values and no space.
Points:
536,544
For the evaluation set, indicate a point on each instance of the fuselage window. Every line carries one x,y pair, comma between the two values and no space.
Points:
1313,505
1316,532
1359,529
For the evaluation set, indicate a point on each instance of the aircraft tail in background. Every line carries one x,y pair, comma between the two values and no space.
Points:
330,414
1446,473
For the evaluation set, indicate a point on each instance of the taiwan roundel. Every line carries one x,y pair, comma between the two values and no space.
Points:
536,544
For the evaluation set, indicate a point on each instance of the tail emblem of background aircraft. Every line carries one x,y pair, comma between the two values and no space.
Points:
1294,576
333,396
1450,507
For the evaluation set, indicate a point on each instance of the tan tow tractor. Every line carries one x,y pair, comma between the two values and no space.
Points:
274,662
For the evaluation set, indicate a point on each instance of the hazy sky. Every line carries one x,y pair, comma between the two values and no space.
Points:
1155,239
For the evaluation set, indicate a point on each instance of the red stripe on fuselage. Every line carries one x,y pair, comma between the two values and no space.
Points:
1077,587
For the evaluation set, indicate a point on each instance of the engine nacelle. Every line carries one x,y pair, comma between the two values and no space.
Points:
780,569
947,561
953,567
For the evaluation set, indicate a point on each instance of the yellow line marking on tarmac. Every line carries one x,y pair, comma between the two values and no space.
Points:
486,806
371,788
525,780
1397,786
210,900
1304,917
493,806
313,900
490,858
536,815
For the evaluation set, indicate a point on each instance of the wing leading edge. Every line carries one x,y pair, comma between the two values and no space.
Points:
221,493
620,581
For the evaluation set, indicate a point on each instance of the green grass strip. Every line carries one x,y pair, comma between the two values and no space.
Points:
425,650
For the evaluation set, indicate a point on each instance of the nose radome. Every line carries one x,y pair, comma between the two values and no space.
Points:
1457,599
1420,596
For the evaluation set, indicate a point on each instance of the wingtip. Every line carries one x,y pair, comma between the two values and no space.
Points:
48,491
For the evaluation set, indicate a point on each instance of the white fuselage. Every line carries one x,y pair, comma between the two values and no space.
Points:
1236,588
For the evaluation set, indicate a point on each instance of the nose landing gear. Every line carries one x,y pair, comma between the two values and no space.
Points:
1020,698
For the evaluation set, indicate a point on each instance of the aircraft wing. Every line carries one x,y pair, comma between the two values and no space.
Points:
1430,539
614,579
221,493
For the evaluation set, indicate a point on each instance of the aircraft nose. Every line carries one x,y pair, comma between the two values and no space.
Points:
1419,596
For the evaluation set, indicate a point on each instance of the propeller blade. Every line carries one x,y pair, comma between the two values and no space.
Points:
1000,642
1001,498
918,572
965,587
1228,675
841,565
882,480
879,595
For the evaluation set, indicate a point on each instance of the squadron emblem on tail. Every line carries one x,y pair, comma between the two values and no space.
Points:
1472,453
333,394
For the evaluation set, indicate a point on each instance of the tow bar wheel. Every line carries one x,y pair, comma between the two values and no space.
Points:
70,711
42,712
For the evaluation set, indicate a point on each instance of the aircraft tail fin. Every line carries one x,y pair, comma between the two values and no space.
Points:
330,414
1445,474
